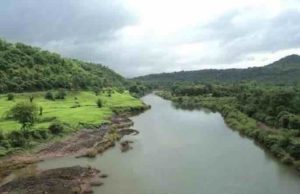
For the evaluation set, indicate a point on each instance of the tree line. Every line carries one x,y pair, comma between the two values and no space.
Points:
274,106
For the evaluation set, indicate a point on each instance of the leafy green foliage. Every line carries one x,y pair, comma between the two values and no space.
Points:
26,68
138,89
25,113
49,96
253,110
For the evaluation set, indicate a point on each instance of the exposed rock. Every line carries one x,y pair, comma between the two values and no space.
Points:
96,183
103,176
125,146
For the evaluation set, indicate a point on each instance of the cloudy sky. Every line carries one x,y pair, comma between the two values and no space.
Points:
137,37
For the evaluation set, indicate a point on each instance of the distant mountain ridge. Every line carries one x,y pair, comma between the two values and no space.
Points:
27,68
283,71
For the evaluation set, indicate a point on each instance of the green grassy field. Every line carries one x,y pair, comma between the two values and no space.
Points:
62,110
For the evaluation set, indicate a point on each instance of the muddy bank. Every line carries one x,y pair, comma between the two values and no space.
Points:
85,143
70,180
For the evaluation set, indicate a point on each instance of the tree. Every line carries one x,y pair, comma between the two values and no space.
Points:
25,113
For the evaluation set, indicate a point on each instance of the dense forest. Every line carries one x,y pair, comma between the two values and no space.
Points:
27,68
275,106
286,71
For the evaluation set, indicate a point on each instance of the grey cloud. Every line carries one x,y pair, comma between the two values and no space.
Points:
92,30
236,41
43,21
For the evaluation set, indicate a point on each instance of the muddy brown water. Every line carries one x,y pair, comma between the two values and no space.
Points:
187,152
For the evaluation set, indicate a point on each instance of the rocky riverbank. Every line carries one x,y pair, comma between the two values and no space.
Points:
85,143
69,180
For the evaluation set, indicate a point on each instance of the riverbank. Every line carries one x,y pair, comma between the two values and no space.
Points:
283,144
67,180
83,143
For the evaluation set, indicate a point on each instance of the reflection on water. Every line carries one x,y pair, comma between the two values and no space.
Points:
187,152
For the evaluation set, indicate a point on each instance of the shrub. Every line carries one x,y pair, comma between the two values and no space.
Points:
1,135
56,128
294,150
5,143
284,141
121,90
61,94
97,91
17,139
10,96
294,122
43,133
287,159
25,113
49,96
99,103
39,134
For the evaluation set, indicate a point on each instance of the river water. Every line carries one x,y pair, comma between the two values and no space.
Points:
187,152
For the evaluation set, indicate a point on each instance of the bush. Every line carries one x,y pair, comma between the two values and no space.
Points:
61,94
1,135
25,113
17,139
287,159
5,143
294,122
49,96
39,134
56,128
99,103
10,97
43,133
97,91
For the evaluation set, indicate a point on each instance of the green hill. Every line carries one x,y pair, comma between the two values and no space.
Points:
285,71
27,68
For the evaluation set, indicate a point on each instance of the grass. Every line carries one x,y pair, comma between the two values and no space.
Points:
62,110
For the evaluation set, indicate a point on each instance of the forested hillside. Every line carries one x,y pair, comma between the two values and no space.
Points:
27,68
285,71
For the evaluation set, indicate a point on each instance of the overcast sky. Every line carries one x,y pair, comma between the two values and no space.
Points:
138,37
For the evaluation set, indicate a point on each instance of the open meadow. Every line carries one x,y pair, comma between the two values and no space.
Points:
78,108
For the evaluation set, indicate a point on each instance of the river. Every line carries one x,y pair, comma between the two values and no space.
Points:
187,152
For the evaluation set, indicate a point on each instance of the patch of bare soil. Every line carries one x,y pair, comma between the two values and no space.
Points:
69,180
